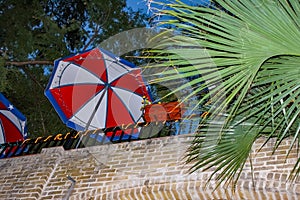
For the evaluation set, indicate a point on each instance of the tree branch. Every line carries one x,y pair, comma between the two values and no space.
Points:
96,31
31,76
30,62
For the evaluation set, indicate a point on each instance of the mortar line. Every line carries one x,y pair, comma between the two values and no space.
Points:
49,178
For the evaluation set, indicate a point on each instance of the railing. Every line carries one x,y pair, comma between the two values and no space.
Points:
73,140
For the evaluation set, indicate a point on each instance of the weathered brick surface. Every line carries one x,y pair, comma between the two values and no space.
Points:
149,169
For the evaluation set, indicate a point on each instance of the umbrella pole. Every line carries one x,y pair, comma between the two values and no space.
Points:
92,116
70,188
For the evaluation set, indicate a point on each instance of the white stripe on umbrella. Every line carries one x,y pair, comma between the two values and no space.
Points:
82,116
78,95
130,100
78,73
15,120
114,70
2,136
11,119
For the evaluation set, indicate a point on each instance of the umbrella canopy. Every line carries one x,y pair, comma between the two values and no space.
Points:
96,89
12,122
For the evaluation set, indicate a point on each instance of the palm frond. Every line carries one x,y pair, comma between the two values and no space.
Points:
248,55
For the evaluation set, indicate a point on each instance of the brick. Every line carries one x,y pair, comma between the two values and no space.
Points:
138,168
58,183
33,190
170,160
124,175
54,192
34,194
270,176
274,162
137,156
96,184
20,195
108,170
122,165
114,162
105,179
171,173
162,157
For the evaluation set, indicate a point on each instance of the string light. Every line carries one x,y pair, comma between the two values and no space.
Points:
25,141
77,134
58,137
47,138
37,139
67,135
124,127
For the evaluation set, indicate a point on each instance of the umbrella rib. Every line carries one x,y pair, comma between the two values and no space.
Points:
121,75
124,105
86,69
127,90
80,67
122,66
96,108
76,84
92,115
106,70
105,67
13,123
2,129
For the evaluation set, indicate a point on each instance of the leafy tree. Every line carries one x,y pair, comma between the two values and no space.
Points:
29,96
36,32
247,54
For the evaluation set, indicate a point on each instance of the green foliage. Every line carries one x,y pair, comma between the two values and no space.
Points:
44,30
48,29
161,92
248,57
27,94
228,154
3,72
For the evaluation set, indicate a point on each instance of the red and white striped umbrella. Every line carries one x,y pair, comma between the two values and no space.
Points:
12,122
96,89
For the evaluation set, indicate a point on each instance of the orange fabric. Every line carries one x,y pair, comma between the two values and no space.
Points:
163,112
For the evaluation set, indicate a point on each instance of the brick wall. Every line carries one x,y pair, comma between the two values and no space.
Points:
148,169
